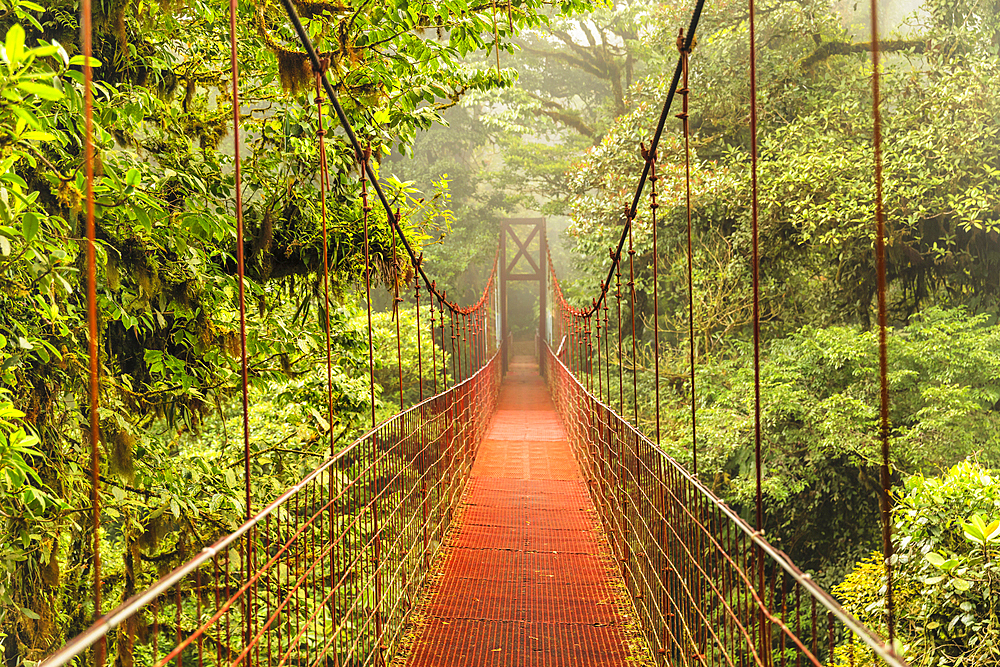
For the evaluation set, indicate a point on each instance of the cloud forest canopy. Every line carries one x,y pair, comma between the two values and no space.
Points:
166,283
167,287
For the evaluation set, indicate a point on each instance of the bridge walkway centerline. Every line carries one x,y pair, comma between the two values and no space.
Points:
527,575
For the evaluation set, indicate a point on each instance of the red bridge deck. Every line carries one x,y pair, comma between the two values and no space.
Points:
528,577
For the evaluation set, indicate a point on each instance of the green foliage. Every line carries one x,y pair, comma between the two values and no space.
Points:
946,573
816,225
18,480
416,368
819,366
820,420
168,332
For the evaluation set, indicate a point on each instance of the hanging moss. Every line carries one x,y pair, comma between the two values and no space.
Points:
155,530
119,444
229,342
308,9
166,85
186,293
50,570
111,272
294,70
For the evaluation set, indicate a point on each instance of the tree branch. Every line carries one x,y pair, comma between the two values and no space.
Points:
828,49
557,113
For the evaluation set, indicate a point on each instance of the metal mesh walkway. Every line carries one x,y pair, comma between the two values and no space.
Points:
528,578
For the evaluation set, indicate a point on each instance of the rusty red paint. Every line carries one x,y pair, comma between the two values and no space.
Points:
529,576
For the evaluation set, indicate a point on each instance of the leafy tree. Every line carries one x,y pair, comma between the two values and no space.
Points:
946,573
820,415
457,154
817,263
169,330
815,130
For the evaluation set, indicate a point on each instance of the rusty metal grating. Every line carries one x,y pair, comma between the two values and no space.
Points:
528,578
481,515
469,642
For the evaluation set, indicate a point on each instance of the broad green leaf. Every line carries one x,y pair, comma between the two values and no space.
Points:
961,584
78,60
44,51
11,177
934,558
975,529
35,135
993,531
40,90
142,216
30,222
14,44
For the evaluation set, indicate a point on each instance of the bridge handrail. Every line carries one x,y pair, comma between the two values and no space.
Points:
827,601
134,604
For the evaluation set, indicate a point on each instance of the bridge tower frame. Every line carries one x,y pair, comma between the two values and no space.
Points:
521,248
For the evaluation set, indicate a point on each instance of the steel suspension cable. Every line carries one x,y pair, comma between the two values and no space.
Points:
635,360
444,358
607,351
589,368
241,295
474,350
240,264
456,371
365,210
420,359
570,341
684,47
885,500
430,307
463,331
653,205
460,341
396,300
764,629
600,378
324,186
618,305
86,29
580,343
470,342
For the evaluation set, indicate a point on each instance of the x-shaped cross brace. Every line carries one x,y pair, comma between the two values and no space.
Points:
522,251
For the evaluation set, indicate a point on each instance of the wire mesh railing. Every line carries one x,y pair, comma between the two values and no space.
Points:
708,589
327,573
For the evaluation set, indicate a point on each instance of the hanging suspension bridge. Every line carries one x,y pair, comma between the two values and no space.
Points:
516,515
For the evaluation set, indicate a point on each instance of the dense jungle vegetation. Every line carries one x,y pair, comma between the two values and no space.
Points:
462,142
